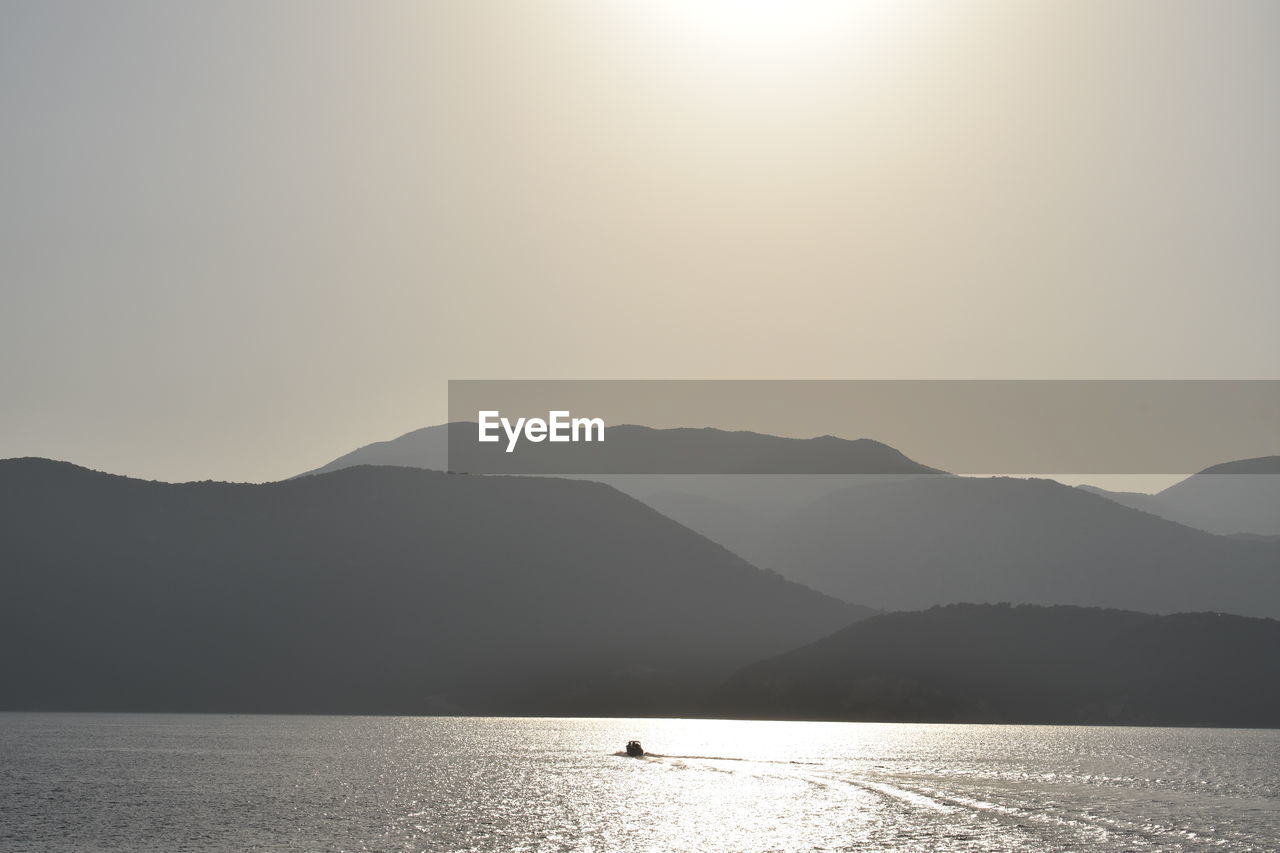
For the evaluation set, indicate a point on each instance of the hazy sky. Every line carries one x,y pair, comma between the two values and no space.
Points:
238,239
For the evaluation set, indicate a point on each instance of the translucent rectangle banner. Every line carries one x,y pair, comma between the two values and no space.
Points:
1014,427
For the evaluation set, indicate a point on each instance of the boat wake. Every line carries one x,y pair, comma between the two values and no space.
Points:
624,754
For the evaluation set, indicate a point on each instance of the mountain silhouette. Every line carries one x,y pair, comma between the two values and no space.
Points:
372,590
423,448
923,541
1025,664
1234,497
915,537
636,450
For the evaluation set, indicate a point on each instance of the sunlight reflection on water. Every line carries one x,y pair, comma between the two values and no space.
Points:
174,783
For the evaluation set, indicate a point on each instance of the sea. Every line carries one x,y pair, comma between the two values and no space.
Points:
171,783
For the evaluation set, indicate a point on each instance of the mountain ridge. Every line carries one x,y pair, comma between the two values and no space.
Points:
923,541
371,590
1024,664
1237,497
637,449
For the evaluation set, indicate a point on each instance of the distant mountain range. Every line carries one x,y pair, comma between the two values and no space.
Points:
992,663
631,449
382,589
1234,497
372,590
938,540
423,448
913,537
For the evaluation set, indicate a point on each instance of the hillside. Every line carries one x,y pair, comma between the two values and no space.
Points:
1234,497
372,589
937,540
423,448
631,449
1002,664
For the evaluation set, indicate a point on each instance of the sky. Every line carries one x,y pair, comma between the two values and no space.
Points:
238,239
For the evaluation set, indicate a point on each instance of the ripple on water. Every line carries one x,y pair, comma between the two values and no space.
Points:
179,783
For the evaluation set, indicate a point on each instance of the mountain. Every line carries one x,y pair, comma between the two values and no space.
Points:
640,450
736,510
423,448
720,519
371,590
1026,664
913,537
936,540
743,512
1233,497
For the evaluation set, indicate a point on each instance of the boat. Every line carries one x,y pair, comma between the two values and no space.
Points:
634,748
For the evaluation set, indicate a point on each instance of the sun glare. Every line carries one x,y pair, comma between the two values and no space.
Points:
761,27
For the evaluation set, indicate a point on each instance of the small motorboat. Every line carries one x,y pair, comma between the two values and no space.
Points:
634,749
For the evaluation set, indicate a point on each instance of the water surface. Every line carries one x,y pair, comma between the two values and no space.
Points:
107,782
